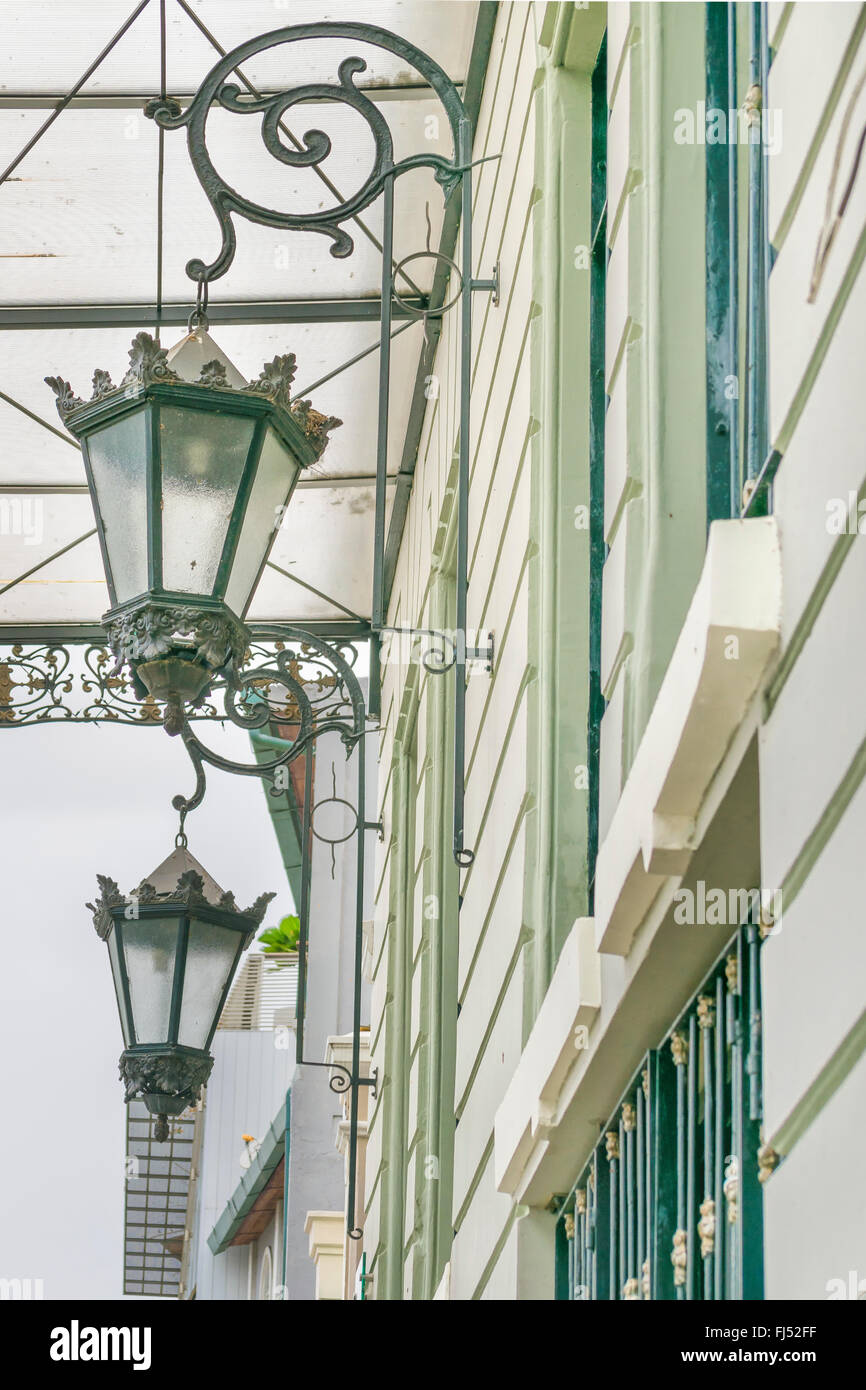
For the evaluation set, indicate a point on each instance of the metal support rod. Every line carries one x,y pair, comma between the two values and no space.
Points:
64,101
355,1232
286,1147
463,857
374,684
733,259
47,561
31,415
723,492
304,910
347,310
756,430
335,603
722,1101
358,357
132,101
384,397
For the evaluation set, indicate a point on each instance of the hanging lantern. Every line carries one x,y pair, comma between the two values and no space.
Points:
174,945
190,469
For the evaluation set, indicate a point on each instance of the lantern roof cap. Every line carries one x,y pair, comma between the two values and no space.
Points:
196,361
197,350
167,875
178,879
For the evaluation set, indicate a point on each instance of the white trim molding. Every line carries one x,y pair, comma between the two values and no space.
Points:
326,1232
528,1111
725,653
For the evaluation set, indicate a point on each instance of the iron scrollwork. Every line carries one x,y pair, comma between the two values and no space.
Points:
304,682
216,88
76,683
42,683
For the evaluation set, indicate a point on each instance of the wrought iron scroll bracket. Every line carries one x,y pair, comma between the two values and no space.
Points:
343,1079
438,661
219,89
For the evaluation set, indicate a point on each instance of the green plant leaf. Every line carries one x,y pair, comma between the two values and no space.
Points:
277,940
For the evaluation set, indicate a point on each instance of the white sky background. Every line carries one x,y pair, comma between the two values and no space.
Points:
77,801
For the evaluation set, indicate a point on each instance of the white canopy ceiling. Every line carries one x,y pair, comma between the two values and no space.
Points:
81,269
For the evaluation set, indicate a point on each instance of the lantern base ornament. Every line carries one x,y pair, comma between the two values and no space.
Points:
175,649
168,1079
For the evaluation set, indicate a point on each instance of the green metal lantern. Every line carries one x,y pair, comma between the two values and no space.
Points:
174,945
190,469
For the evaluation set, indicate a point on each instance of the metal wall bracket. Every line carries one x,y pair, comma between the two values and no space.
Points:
378,826
372,1081
493,286
483,654
437,660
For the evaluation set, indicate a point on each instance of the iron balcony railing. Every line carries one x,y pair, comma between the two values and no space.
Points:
669,1204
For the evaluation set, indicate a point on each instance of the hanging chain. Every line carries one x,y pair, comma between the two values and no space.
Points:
198,318
180,839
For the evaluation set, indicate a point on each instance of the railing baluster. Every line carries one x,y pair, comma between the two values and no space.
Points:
692,1066
631,1288
738,1065
622,1224
604,1255
719,1145
680,1053
750,1200
611,1140
582,1286
641,1183
707,1223
591,1240
671,1187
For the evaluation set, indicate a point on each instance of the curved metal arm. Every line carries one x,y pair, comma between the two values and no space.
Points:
227,201
310,727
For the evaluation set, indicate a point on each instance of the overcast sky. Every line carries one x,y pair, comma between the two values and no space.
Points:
77,801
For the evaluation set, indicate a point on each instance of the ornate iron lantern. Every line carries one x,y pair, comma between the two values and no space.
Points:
174,945
190,469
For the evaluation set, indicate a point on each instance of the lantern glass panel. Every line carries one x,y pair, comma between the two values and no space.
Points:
118,462
275,478
150,947
118,988
210,956
203,457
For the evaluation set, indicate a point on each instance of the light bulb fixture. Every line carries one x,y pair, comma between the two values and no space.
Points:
174,944
190,469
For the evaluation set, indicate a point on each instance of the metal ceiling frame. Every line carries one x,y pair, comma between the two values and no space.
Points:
122,101
367,309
